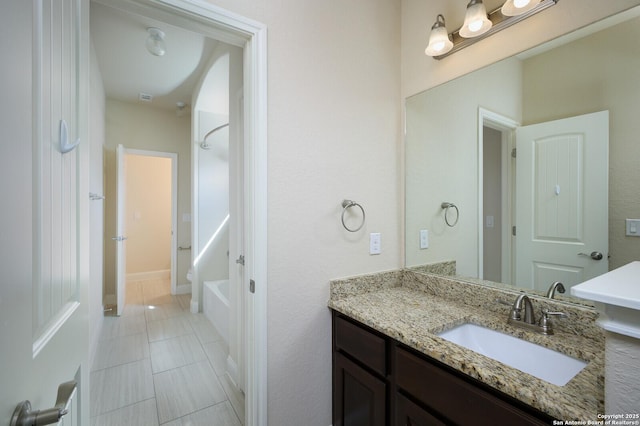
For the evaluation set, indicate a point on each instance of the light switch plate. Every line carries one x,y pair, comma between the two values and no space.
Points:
633,227
424,239
374,243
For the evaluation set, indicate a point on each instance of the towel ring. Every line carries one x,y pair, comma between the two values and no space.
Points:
446,206
347,204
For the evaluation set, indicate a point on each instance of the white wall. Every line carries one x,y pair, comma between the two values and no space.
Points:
96,186
213,199
622,364
334,126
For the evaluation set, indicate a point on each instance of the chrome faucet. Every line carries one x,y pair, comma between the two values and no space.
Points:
552,290
523,303
522,316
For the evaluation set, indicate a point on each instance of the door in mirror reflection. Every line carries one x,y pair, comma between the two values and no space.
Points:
561,201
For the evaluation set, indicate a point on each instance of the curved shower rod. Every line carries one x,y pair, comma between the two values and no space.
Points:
204,144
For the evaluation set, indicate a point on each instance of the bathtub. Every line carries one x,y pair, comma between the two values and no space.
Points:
215,305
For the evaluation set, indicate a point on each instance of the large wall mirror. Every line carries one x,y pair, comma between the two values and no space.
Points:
555,208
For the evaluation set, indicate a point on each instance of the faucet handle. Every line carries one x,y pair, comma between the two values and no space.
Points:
545,324
544,320
546,314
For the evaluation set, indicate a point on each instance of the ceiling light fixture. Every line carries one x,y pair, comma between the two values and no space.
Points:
479,25
181,108
155,42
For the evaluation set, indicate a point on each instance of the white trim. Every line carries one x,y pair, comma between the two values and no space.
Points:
183,289
232,371
507,126
193,307
149,275
54,325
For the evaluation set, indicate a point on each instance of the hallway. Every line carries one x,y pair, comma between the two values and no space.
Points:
158,364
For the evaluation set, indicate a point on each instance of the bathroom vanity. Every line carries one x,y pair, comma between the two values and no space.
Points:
390,367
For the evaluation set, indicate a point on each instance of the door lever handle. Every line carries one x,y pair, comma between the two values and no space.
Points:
24,416
595,255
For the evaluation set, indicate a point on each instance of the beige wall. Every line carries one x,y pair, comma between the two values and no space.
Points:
420,72
139,126
608,80
334,130
148,214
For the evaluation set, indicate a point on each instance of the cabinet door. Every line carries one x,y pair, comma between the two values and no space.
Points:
410,414
359,398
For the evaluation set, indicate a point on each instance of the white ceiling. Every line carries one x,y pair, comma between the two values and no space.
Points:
127,68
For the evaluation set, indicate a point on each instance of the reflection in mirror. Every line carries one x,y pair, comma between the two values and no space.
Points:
460,138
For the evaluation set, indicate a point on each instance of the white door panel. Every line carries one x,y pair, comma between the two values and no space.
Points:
562,199
44,260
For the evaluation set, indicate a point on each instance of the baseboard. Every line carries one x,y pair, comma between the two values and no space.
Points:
183,289
94,339
194,307
109,299
232,371
150,275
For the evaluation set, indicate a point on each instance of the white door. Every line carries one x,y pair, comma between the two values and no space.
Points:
120,238
562,201
44,262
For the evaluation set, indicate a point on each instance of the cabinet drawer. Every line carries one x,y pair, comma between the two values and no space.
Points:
454,398
361,344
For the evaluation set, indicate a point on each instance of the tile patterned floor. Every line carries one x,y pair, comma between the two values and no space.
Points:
158,364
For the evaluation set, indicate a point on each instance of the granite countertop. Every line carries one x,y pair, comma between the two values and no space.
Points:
412,308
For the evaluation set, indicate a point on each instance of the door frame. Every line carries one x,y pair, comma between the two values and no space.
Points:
229,27
507,127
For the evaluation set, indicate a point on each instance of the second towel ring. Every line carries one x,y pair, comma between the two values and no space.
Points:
347,204
446,206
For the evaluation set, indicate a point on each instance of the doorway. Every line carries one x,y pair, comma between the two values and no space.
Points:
496,186
219,24
150,216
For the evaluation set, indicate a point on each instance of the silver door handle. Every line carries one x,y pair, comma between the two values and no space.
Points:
119,238
595,255
240,260
23,416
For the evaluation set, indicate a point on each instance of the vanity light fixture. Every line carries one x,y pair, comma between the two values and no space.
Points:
518,7
476,21
439,41
479,25
155,42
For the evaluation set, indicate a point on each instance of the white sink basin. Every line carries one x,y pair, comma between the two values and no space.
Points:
546,364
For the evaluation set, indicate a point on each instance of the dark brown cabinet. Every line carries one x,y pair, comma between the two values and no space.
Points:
360,397
378,381
409,413
360,385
